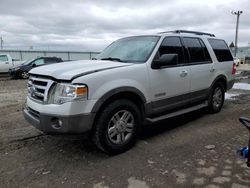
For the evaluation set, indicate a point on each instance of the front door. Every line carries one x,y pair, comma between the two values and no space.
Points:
170,85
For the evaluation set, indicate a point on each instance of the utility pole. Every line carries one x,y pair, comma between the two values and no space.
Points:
1,42
238,13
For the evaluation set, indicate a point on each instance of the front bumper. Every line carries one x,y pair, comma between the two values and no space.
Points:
49,123
14,73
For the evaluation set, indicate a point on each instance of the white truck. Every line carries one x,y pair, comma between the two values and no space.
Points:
135,81
6,63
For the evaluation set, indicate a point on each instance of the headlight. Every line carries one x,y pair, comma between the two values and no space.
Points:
15,69
63,93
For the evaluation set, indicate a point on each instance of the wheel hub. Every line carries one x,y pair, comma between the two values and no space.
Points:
120,126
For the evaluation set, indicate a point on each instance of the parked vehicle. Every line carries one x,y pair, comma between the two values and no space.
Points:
244,152
237,61
22,71
6,62
135,80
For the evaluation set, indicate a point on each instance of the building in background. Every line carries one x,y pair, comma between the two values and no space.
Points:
24,55
243,53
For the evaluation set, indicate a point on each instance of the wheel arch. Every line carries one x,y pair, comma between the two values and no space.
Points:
222,79
129,93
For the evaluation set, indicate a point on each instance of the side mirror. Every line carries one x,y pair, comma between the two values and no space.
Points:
165,60
33,65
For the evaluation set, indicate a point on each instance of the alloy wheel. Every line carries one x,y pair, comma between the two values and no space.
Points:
120,127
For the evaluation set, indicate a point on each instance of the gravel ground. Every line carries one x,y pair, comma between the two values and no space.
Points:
193,150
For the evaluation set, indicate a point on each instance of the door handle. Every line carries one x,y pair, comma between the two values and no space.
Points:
183,73
7,62
212,69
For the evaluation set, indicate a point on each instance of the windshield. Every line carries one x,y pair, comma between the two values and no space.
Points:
27,62
131,49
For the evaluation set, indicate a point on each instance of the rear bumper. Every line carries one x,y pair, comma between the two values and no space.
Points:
49,123
230,84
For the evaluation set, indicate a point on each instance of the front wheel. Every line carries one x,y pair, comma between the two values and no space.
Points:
25,75
216,98
117,126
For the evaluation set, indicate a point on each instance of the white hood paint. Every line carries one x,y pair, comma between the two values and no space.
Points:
70,70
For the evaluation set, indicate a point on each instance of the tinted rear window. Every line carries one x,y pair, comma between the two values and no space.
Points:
197,50
205,51
221,50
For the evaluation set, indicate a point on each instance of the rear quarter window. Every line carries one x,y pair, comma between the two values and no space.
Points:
221,50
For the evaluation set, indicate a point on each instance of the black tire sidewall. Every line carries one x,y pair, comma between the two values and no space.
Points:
103,121
211,107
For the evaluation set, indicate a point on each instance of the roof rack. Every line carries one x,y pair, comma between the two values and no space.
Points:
191,32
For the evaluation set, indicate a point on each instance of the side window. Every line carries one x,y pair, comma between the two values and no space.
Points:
205,51
221,50
197,50
39,62
3,58
172,45
50,60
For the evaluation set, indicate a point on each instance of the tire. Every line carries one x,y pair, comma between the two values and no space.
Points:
216,98
117,127
25,75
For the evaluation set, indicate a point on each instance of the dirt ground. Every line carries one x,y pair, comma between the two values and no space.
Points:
193,150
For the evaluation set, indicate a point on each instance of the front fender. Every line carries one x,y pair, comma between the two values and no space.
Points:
115,91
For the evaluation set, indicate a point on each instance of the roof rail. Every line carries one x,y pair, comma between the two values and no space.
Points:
191,32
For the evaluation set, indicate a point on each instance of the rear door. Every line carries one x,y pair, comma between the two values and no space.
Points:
202,68
5,65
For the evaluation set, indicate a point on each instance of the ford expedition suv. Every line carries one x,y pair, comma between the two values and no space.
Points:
134,81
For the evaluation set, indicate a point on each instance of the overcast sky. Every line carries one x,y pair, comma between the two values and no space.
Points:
90,25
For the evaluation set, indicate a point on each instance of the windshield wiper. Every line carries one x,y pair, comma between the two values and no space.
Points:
112,59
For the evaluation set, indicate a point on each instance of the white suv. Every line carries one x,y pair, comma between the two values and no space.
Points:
135,80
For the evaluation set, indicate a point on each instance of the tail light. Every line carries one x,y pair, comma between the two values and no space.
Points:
234,69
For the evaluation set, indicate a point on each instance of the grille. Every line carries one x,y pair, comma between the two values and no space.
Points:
38,88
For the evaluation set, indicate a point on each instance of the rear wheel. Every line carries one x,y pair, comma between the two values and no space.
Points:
117,126
216,98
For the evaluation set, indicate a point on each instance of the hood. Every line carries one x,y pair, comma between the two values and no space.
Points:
18,67
74,69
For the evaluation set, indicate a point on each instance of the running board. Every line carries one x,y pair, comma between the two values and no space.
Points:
179,112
